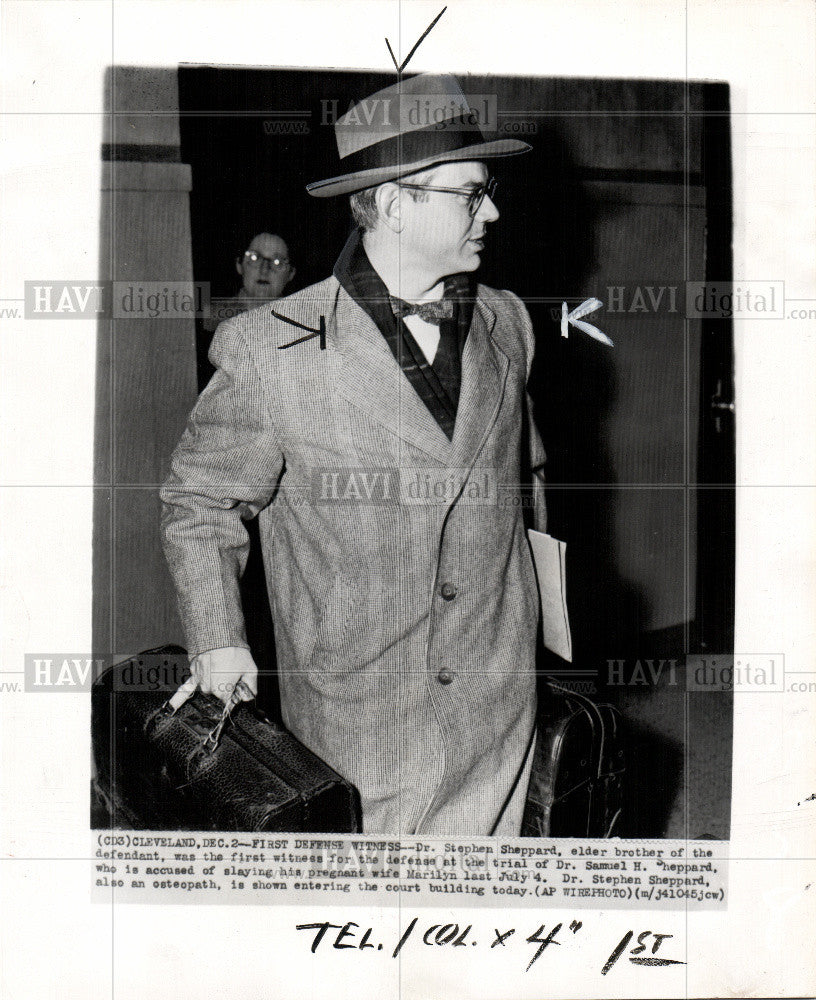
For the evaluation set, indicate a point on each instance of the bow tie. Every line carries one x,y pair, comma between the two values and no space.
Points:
430,312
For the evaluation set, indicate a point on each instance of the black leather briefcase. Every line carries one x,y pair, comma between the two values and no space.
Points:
576,784
160,770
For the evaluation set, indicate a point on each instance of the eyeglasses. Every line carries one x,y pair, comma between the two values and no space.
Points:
475,196
276,262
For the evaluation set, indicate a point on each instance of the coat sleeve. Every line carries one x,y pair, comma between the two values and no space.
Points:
224,470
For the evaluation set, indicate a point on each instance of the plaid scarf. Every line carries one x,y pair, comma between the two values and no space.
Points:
437,384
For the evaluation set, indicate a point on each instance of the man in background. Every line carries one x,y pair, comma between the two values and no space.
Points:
265,269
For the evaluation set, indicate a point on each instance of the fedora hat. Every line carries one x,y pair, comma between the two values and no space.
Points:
412,125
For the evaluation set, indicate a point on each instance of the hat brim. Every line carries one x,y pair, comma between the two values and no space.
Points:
361,179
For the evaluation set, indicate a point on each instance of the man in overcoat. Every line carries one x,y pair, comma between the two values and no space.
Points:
377,424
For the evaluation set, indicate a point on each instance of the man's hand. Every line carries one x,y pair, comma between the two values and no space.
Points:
218,672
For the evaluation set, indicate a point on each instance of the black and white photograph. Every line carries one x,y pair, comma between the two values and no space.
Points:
391,626
424,536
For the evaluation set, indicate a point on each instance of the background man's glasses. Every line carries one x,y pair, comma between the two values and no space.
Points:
253,257
475,196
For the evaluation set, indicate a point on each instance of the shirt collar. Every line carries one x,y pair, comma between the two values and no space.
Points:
356,274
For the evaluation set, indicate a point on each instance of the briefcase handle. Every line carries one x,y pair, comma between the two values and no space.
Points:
209,742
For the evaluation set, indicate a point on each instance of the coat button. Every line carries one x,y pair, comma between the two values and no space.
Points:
445,676
448,591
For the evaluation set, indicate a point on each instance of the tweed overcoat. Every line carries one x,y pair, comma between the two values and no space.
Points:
400,577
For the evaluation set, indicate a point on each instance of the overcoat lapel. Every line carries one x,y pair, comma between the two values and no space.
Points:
369,376
484,374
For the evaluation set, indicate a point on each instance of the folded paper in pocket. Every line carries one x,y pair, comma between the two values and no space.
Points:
549,558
